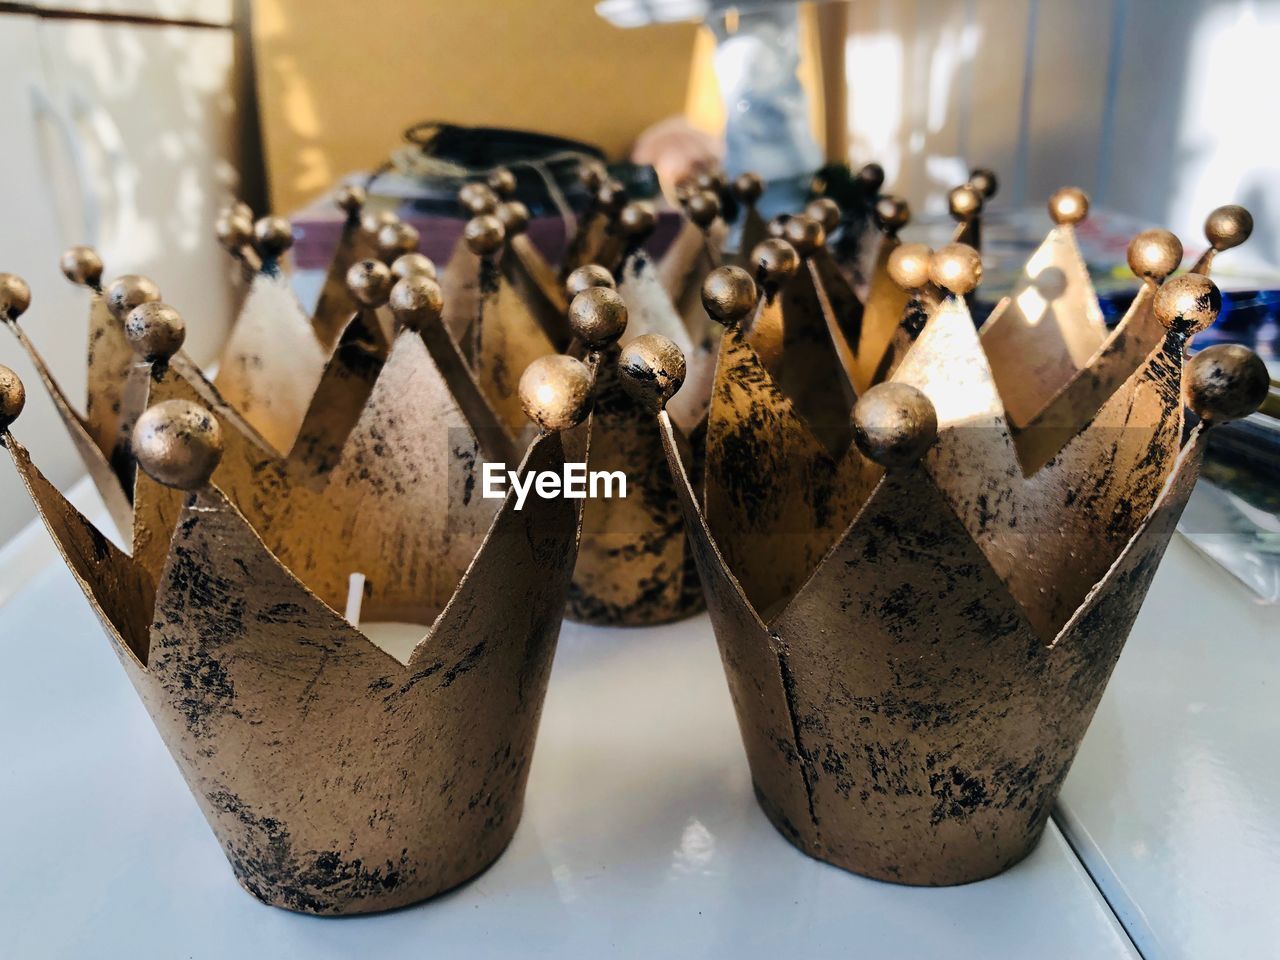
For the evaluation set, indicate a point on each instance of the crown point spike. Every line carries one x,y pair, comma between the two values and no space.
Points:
957,268
82,266
15,296
477,198
653,369
178,444
703,208
128,292
417,300
13,397
805,234
825,211
1228,227
892,214
638,219
414,265
484,234
272,236
748,188
775,262
350,198
1225,382
155,330
588,276
984,181
592,174
395,239
502,182
555,391
514,216
871,177
1188,304
598,317
909,265
1069,206
894,424
729,295
1154,254
965,202
370,282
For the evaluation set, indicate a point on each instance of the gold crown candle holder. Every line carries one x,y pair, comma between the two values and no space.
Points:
916,632
340,774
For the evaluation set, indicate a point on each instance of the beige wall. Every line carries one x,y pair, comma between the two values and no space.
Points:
338,81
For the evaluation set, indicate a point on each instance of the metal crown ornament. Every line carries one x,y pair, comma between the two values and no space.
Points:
916,629
340,774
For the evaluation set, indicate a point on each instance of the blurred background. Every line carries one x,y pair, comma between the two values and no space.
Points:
128,124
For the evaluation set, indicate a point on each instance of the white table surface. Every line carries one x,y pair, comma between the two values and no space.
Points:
1174,799
641,837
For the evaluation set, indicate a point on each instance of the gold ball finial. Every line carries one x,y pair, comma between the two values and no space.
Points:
272,236
350,198
611,197
909,265
416,300
234,231
728,295
965,202
15,296
703,208
155,330
1069,205
871,178
1228,227
178,443
477,198
414,265
894,424
128,292
826,211
13,397
957,268
1189,303
777,226
395,239
805,234
1225,382
638,219
373,221
588,276
652,369
598,317
514,216
748,188
892,214
502,182
82,266
984,181
774,262
555,392
711,180
370,282
1154,254
484,234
